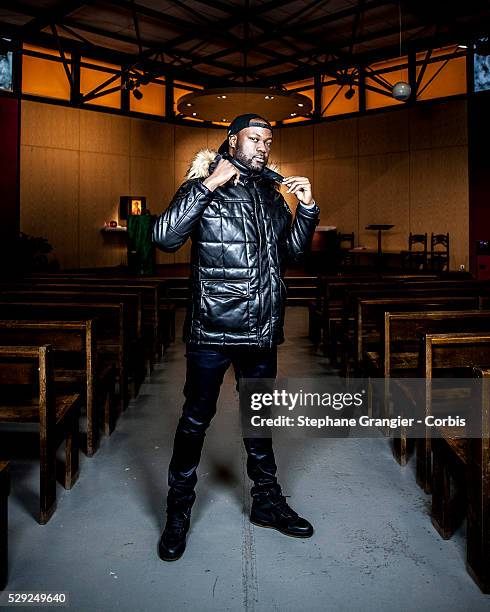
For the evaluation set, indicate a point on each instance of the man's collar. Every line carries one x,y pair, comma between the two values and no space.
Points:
245,171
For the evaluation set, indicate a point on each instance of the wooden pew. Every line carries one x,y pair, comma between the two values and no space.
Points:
112,334
370,317
399,350
148,294
403,331
75,366
341,299
133,310
461,487
28,396
4,493
159,310
455,354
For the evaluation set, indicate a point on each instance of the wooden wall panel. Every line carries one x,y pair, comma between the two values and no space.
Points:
151,139
384,198
297,145
439,197
104,133
103,178
215,138
383,133
439,125
153,178
180,171
49,199
335,139
336,190
188,141
76,163
46,125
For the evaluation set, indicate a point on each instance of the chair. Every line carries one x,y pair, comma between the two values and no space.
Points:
439,258
416,258
345,242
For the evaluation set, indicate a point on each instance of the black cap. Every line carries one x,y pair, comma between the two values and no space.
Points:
241,122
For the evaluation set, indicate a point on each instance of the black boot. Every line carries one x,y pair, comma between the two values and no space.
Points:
173,540
270,509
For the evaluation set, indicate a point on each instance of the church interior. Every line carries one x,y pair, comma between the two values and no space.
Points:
384,106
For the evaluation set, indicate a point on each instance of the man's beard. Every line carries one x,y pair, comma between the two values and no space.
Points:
250,161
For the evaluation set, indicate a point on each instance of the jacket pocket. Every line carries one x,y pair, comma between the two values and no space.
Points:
228,288
225,305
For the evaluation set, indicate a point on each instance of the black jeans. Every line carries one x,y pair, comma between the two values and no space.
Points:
206,367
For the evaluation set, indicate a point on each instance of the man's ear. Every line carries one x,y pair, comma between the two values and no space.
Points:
232,140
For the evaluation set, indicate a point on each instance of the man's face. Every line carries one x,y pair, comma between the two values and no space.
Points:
251,146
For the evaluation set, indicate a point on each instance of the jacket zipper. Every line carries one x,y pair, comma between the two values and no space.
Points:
260,270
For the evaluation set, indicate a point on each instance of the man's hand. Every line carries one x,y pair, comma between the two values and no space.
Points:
301,187
223,172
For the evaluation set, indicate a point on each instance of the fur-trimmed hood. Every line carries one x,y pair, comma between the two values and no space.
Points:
199,167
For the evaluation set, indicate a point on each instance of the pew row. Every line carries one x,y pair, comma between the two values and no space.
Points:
28,395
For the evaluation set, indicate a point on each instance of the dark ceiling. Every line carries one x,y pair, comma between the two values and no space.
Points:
264,42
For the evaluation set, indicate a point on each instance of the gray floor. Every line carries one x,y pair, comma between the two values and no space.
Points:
374,547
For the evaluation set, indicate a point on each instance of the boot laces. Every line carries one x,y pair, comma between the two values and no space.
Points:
283,507
176,522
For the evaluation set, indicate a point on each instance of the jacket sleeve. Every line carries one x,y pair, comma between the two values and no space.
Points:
178,220
301,231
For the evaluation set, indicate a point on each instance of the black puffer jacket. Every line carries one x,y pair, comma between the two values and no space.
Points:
242,239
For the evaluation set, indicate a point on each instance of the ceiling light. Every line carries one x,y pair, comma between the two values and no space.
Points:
224,120
401,91
349,94
137,94
462,46
194,114
293,114
275,104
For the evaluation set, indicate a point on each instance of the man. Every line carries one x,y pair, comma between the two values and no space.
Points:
242,238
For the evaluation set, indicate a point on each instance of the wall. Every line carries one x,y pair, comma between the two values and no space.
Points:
9,164
407,167
74,166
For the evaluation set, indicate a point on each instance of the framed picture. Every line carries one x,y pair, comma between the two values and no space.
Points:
131,205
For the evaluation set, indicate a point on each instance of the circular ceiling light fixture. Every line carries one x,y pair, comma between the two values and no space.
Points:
211,103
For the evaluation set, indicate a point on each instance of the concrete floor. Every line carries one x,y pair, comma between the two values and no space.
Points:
374,547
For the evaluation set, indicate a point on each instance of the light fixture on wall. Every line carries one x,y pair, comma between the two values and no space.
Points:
132,80
349,94
214,104
401,90
345,78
